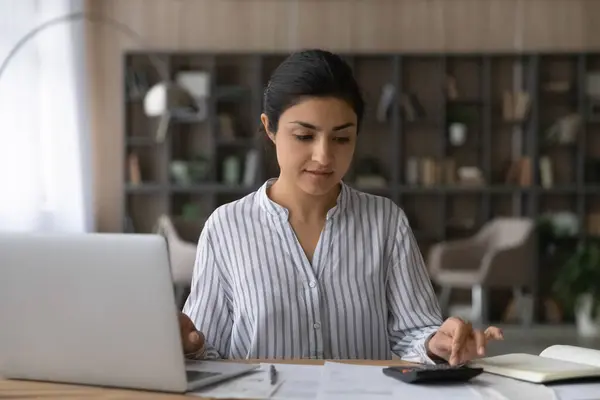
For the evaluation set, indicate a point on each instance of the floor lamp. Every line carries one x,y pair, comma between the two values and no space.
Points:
161,100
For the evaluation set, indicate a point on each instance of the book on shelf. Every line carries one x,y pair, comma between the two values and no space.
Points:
515,105
519,172
135,174
556,363
546,175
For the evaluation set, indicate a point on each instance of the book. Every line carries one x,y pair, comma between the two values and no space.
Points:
556,363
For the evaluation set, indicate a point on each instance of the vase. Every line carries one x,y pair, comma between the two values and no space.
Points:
586,326
457,133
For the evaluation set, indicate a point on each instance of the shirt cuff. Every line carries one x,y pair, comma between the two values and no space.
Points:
422,349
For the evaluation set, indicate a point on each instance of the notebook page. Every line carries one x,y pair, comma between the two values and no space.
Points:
532,368
574,354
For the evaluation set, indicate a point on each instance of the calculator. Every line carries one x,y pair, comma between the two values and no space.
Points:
437,373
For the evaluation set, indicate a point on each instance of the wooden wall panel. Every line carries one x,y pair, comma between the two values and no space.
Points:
331,27
553,25
282,25
591,27
502,32
404,24
460,19
235,25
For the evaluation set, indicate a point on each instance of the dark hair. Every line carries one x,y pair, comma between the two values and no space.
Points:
310,73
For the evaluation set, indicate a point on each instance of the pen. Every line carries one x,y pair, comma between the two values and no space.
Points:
273,374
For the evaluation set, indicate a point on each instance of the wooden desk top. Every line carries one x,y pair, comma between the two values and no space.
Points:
18,389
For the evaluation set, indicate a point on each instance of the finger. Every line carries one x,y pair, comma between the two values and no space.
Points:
194,342
469,350
494,333
461,334
480,342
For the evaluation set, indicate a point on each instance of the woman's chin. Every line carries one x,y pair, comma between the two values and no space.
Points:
317,185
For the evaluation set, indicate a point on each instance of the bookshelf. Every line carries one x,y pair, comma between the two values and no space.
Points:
442,148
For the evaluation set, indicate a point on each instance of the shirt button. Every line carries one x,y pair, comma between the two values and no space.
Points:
316,325
312,284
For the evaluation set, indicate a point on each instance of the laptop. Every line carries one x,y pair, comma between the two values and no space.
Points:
96,309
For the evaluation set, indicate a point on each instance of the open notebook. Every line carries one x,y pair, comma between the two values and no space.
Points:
555,363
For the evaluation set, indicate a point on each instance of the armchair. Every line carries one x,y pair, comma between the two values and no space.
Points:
500,255
182,256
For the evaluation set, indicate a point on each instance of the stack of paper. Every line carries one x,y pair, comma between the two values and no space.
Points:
295,382
357,382
339,381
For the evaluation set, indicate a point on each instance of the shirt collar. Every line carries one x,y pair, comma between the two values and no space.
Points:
281,212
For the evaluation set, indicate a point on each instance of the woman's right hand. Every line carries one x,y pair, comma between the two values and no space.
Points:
192,340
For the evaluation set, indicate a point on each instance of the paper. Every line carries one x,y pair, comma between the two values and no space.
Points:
298,382
576,391
573,354
357,382
254,385
295,382
489,386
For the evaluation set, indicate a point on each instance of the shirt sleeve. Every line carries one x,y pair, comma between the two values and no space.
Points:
207,305
414,311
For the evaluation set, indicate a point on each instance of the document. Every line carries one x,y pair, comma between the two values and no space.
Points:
489,386
254,385
298,382
576,391
357,382
295,382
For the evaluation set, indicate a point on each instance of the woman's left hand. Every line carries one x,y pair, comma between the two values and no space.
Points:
457,342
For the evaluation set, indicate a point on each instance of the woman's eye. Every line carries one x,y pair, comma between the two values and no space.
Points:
304,138
342,139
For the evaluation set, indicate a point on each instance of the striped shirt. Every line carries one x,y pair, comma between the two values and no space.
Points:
366,294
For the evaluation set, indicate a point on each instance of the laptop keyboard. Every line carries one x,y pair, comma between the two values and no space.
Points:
198,375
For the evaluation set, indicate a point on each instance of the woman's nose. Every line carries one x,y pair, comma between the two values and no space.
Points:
322,152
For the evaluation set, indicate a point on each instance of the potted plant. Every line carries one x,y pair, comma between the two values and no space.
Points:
577,285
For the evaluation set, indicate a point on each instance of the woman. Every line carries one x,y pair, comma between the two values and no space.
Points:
307,267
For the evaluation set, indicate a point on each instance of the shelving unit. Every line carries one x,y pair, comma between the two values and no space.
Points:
492,141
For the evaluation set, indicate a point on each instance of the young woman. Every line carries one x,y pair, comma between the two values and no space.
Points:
307,267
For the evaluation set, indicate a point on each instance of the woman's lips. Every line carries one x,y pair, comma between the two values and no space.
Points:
319,173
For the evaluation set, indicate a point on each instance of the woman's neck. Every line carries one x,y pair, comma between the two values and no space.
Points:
301,205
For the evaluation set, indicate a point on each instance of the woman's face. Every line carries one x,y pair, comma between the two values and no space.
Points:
315,143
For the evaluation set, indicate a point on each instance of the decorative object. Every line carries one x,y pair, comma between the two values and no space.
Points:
231,170
470,175
369,173
412,171
565,129
197,84
457,132
388,92
451,88
458,119
226,128
592,90
189,172
159,101
577,285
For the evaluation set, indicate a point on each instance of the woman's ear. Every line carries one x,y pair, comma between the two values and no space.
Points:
265,121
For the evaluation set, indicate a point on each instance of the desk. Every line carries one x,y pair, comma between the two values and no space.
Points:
23,390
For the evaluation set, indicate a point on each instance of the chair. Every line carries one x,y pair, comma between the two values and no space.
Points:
500,255
182,256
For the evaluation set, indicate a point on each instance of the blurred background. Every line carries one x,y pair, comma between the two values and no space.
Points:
482,123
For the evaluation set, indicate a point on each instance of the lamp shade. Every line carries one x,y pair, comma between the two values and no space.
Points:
162,100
